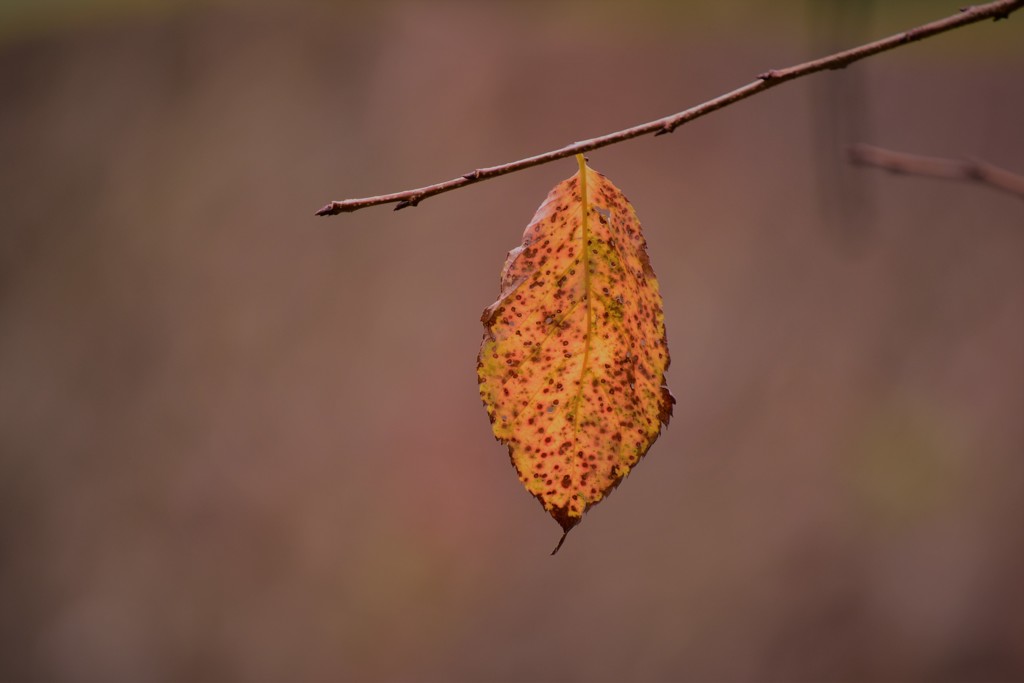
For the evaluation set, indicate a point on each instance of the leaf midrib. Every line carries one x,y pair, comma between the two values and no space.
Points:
585,233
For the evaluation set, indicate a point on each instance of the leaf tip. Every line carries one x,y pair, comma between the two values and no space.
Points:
567,522
561,541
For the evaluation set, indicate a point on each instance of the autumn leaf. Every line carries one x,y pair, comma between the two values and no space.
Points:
572,365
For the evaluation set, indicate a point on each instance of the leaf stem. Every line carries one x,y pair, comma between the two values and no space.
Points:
1000,9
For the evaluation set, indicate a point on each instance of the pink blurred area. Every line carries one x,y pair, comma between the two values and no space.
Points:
241,443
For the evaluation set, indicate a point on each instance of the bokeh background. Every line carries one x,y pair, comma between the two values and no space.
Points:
241,443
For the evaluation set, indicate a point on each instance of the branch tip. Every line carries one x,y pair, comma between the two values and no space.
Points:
901,163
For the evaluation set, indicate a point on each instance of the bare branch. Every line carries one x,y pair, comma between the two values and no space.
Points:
1001,9
934,167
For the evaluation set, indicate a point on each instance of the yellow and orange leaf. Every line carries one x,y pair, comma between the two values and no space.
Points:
572,365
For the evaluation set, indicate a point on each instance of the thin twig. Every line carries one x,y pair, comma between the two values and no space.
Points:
935,167
1001,9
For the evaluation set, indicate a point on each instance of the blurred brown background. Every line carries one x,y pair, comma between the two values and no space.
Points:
240,443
